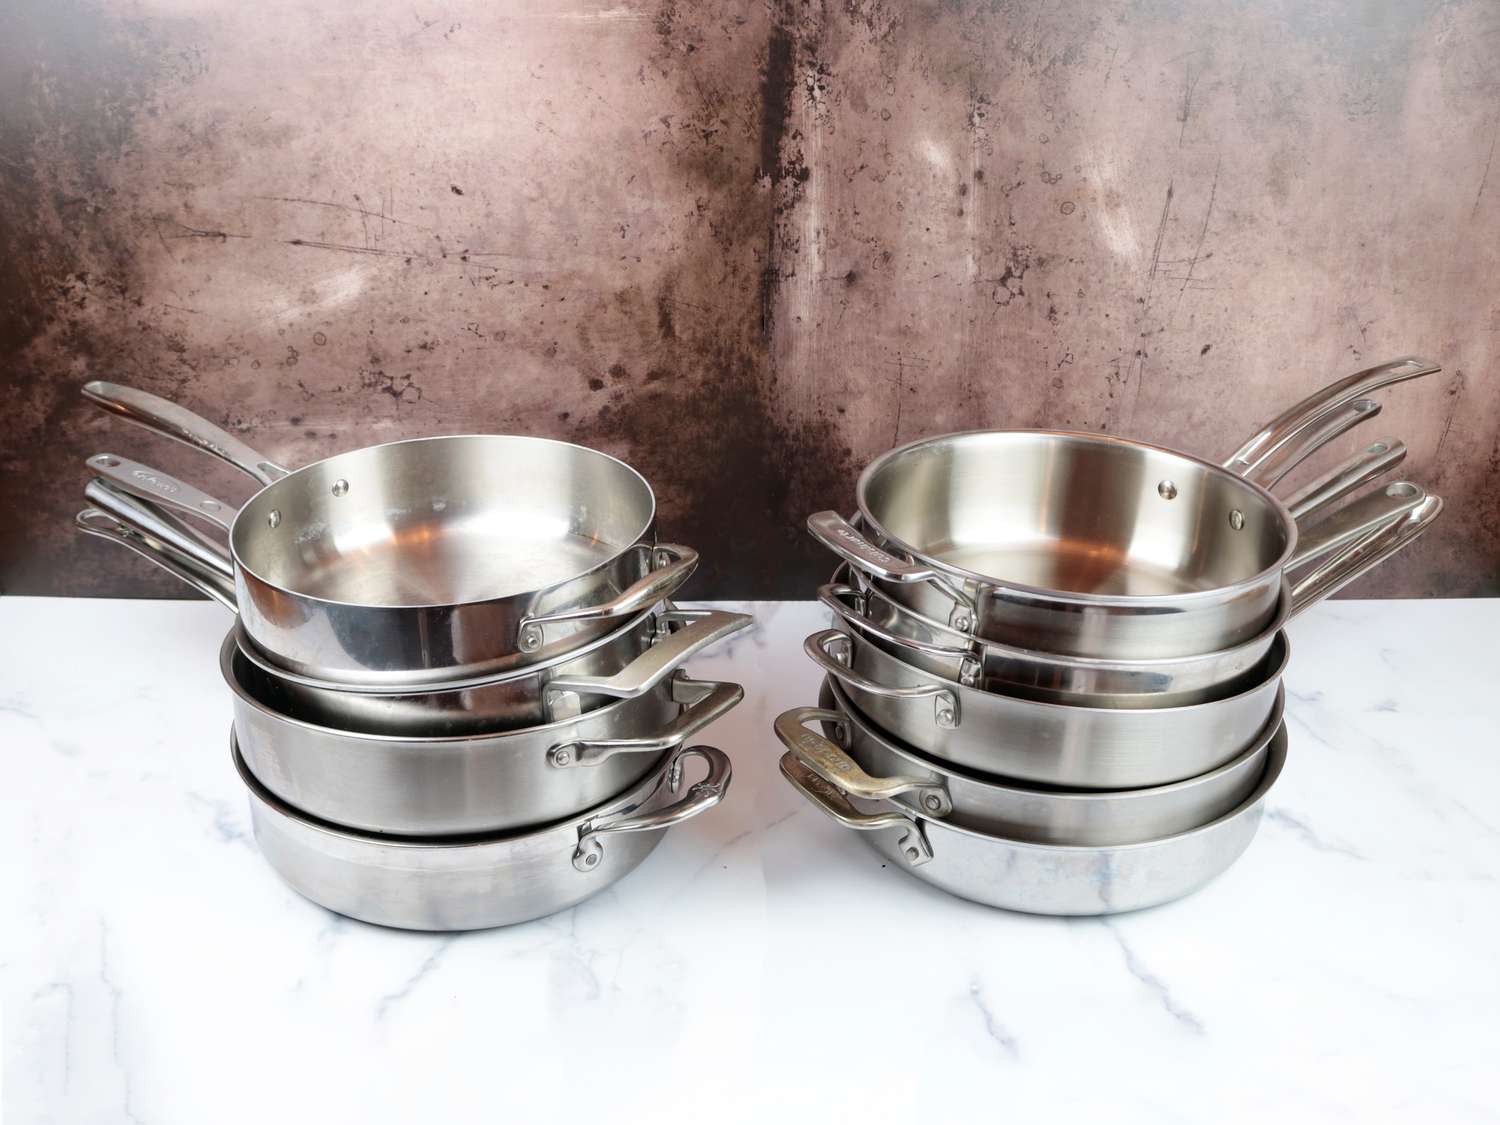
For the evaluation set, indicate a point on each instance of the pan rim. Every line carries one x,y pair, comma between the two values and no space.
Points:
644,535
1078,597
870,730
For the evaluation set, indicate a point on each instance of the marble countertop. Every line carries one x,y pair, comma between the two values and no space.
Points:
763,962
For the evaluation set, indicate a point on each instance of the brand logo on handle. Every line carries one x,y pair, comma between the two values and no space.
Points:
151,480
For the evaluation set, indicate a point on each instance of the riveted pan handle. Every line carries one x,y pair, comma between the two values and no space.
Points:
92,521
1370,463
834,766
848,604
833,651
651,667
828,800
700,797
162,488
1294,422
673,565
1363,555
181,424
704,702
1355,520
161,526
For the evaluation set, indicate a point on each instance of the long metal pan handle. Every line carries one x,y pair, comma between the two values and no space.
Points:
1355,520
673,566
652,666
1332,425
699,798
833,804
162,488
1370,463
832,651
704,701
838,597
1364,555
92,521
1292,423
178,422
146,517
834,766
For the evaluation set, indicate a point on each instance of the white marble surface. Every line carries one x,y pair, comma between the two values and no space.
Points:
762,964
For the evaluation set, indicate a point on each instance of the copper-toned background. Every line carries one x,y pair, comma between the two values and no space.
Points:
746,247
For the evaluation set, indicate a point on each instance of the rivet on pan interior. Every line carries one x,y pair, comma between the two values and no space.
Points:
273,518
340,487
1166,490
1236,518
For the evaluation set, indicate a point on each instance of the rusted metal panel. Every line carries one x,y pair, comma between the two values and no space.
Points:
746,248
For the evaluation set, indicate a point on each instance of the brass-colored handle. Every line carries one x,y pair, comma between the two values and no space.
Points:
837,768
827,799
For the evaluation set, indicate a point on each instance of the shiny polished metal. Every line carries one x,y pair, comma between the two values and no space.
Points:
459,785
623,664
1046,743
1059,879
422,560
1083,681
865,764
1090,545
476,882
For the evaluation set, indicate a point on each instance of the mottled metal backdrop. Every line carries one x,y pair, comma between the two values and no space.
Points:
746,247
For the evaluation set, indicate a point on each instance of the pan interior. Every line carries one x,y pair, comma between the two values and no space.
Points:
1074,512
443,521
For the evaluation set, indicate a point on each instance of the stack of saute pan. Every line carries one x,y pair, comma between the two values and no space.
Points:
1054,681
457,673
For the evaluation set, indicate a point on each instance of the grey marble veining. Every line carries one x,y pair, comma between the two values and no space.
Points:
157,971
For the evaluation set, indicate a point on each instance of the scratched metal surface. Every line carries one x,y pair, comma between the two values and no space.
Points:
745,247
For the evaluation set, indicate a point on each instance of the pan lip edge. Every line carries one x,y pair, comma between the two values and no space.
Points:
1079,597
645,535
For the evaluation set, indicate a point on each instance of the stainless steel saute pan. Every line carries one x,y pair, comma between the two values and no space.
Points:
935,647
623,664
863,763
429,559
1046,743
1050,878
470,883
1087,544
459,785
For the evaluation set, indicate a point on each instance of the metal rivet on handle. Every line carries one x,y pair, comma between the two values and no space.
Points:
562,757
106,460
932,802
